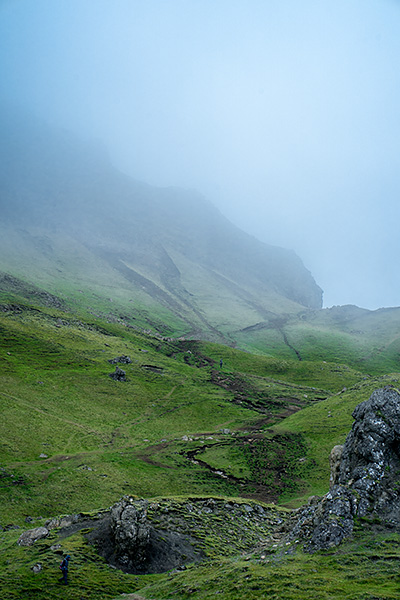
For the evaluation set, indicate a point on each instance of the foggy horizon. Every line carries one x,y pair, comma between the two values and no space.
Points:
284,115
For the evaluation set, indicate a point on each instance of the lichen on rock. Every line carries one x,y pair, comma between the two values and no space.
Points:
365,476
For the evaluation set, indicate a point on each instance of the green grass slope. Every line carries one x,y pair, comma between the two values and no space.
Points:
363,568
367,340
71,436
72,223
260,427
180,296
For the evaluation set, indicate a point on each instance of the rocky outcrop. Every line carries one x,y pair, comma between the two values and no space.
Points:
334,461
141,536
33,535
365,476
29,291
131,531
130,539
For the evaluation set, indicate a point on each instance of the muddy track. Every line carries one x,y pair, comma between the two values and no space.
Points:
247,397
285,339
247,488
258,491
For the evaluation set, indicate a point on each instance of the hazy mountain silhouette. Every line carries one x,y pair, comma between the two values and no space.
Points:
169,243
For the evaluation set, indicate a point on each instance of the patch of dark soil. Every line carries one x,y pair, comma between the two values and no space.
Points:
150,450
274,418
78,526
246,488
277,464
190,349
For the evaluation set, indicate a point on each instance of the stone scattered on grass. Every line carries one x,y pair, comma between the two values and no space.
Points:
32,535
120,359
118,375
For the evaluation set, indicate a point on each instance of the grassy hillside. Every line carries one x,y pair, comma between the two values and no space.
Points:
67,426
367,340
72,436
365,567
260,427
237,386
73,224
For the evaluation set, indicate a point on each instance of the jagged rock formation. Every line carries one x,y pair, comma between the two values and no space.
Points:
126,360
142,536
365,476
131,531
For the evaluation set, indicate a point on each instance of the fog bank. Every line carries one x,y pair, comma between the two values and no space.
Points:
283,113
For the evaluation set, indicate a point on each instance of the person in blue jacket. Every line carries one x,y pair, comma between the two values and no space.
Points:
64,569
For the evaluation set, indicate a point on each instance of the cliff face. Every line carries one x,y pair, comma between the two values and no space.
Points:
171,243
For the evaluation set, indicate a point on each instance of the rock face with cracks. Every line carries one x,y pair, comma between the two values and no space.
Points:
128,540
365,476
131,530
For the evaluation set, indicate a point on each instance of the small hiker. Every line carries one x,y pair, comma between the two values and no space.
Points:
220,363
64,569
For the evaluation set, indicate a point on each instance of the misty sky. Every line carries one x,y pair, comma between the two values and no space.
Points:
284,113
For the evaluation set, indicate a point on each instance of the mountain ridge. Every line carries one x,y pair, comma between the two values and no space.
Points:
167,244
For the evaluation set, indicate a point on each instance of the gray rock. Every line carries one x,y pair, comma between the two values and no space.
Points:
334,461
65,521
365,476
32,535
55,547
118,375
120,359
131,531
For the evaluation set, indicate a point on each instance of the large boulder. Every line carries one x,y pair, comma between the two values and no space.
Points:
370,464
365,476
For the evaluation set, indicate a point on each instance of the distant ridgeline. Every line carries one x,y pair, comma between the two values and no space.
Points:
71,221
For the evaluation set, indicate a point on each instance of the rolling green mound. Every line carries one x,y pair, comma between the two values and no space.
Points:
367,340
